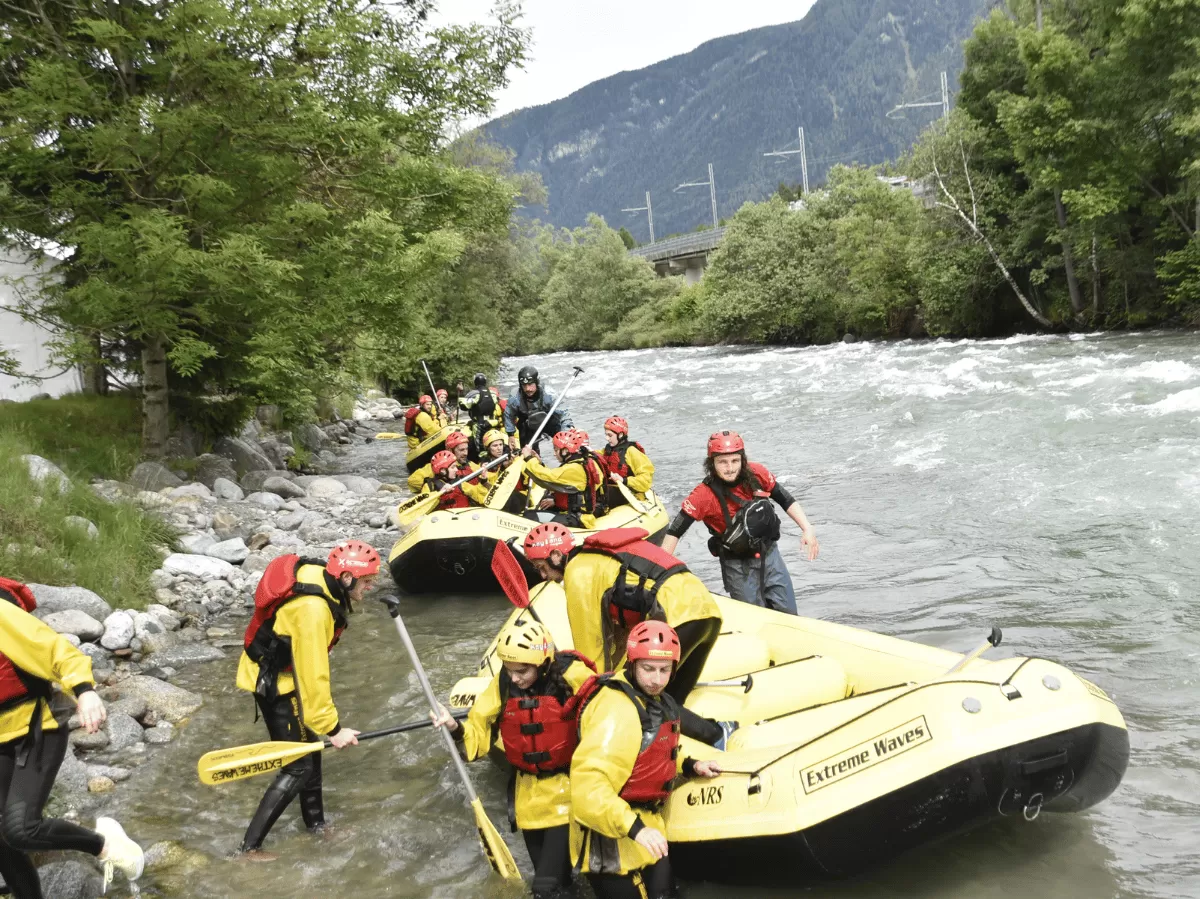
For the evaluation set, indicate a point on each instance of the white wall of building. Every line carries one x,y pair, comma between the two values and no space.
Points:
27,342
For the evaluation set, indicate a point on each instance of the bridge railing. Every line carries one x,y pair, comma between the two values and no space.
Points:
686,245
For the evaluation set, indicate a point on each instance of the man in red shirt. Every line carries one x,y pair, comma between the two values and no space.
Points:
734,502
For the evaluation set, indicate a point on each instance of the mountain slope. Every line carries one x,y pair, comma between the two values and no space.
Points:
837,72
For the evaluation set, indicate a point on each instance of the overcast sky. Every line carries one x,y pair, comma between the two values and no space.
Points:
576,42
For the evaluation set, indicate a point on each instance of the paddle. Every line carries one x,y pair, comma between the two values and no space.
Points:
745,683
239,762
993,640
631,497
437,402
506,483
412,509
493,845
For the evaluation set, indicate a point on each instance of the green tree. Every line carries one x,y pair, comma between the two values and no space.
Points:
246,186
626,238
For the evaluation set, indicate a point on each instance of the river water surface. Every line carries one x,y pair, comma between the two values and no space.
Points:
1048,485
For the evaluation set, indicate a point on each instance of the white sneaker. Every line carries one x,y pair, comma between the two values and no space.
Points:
123,854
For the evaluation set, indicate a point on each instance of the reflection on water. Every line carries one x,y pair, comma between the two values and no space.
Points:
1049,485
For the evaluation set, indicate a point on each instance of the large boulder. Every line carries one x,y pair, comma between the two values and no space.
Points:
46,472
123,731
195,491
165,700
210,466
243,455
118,631
311,437
62,599
292,520
233,551
153,476
252,481
283,487
227,489
325,487
81,624
277,452
356,484
269,501
195,544
204,568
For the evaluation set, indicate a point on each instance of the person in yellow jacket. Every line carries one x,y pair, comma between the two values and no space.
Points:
445,472
528,703
626,461
426,423
456,443
301,610
577,486
33,744
624,768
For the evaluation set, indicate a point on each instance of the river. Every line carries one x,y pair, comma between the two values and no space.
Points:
1048,485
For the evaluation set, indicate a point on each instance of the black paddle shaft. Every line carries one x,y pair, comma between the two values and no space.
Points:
457,715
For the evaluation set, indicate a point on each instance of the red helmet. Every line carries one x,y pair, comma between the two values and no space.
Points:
356,557
545,538
443,393
725,442
455,439
617,425
442,460
572,441
655,641
424,398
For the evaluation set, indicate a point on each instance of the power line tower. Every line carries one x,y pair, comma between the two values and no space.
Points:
649,210
711,184
944,102
803,161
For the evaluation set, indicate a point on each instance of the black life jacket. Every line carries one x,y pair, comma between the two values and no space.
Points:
485,407
752,530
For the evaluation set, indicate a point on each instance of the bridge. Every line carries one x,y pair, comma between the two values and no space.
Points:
686,255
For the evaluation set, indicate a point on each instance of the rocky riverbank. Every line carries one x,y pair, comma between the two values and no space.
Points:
238,509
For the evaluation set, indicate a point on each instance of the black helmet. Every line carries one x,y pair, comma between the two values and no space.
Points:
528,375
480,380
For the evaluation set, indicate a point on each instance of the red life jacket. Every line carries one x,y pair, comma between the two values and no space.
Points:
633,602
17,686
455,499
278,586
538,725
653,773
592,500
614,457
410,420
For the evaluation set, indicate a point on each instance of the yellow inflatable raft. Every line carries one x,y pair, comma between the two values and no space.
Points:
450,551
423,452
854,747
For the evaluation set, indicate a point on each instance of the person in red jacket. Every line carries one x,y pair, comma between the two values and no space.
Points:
735,503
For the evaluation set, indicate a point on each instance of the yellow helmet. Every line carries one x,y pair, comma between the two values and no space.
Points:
492,436
525,642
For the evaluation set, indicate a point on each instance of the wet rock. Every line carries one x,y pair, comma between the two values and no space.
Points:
81,739
233,551
72,774
210,468
204,568
244,456
81,624
198,491
153,476
292,520
116,775
155,643
101,784
195,544
84,525
269,501
390,488
252,481
46,472
227,489
226,525
322,488
188,654
70,879
311,437
169,702
118,631
356,484
283,487
169,854
123,731
849,338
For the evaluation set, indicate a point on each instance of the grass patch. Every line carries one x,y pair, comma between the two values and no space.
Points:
85,436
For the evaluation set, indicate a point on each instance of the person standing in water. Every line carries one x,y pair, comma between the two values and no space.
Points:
33,744
734,502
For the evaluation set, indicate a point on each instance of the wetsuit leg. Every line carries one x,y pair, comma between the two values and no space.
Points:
24,790
776,590
549,851
654,882
740,579
696,640
570,519
283,719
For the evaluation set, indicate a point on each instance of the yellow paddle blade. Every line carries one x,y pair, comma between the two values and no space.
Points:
506,483
410,511
223,765
631,497
494,847
389,435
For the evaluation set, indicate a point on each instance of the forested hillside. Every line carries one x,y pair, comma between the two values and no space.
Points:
837,72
